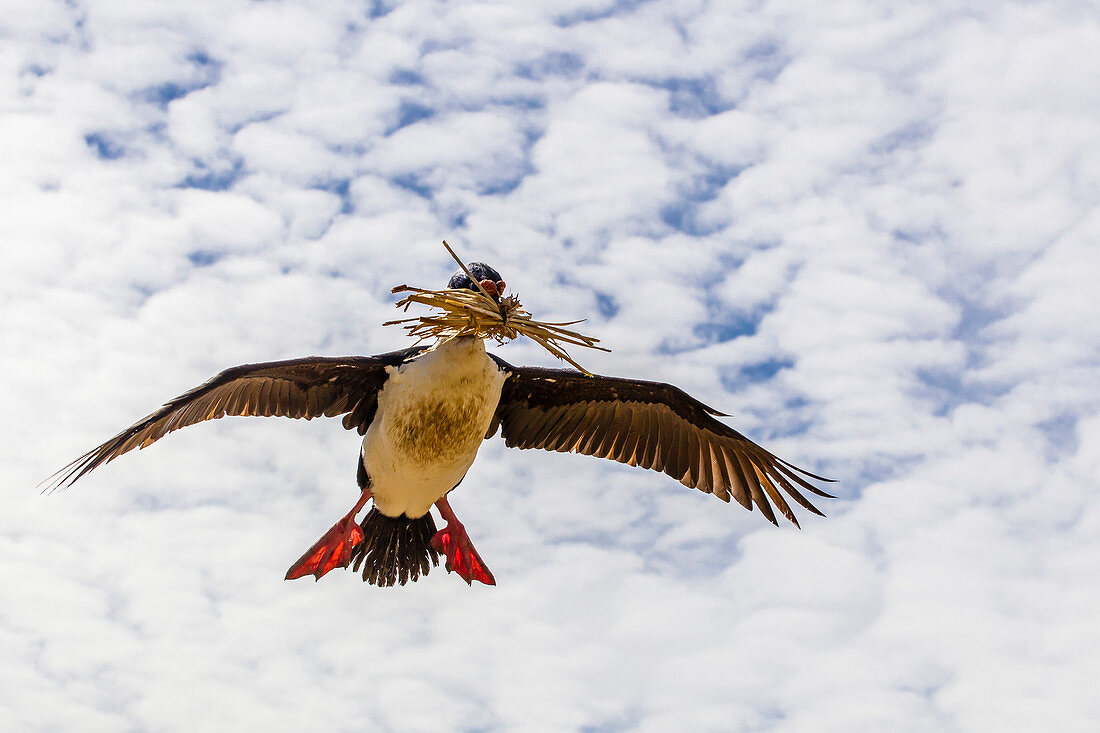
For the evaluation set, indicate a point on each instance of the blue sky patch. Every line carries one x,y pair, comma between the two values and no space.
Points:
1061,433
554,63
412,182
104,146
211,179
588,15
203,258
342,188
606,305
694,98
409,113
731,326
406,78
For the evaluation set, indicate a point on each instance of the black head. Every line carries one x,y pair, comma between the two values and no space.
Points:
489,278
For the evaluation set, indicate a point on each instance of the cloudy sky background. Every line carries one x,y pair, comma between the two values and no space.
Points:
867,230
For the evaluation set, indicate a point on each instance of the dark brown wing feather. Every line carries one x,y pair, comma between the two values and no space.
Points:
310,387
648,424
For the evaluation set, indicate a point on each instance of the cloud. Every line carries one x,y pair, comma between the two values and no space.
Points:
867,233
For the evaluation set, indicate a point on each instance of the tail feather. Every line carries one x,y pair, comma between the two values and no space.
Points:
394,550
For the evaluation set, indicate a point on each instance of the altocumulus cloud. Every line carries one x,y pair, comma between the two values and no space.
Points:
867,231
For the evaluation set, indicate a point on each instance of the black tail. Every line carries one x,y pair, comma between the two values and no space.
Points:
394,549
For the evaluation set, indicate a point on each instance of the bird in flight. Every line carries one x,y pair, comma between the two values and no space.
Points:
423,413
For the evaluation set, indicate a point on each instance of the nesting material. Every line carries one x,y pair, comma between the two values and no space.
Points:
462,312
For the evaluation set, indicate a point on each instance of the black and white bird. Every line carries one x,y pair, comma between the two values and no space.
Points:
423,413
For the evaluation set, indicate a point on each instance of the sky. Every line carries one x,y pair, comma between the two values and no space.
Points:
865,230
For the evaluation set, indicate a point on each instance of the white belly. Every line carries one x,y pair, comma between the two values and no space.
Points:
432,416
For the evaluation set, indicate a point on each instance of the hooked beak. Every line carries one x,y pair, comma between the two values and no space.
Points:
495,289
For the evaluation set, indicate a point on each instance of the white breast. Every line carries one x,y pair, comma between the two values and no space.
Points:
432,416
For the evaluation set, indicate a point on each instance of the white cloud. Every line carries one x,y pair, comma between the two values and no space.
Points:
868,233
464,150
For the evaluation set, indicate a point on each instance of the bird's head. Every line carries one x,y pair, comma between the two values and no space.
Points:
489,278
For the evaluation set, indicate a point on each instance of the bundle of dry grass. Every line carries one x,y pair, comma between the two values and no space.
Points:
469,313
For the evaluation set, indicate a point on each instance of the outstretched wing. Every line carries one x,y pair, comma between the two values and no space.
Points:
302,388
648,424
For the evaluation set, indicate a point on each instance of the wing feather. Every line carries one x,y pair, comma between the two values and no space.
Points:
739,484
696,474
722,482
748,470
598,431
311,387
638,435
652,425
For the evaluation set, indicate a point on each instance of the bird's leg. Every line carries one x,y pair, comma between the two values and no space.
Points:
453,542
333,550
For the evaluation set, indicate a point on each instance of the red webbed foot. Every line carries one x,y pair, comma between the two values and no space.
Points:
462,557
334,548
332,551
453,542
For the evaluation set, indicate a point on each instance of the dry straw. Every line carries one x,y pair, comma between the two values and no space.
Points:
468,313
